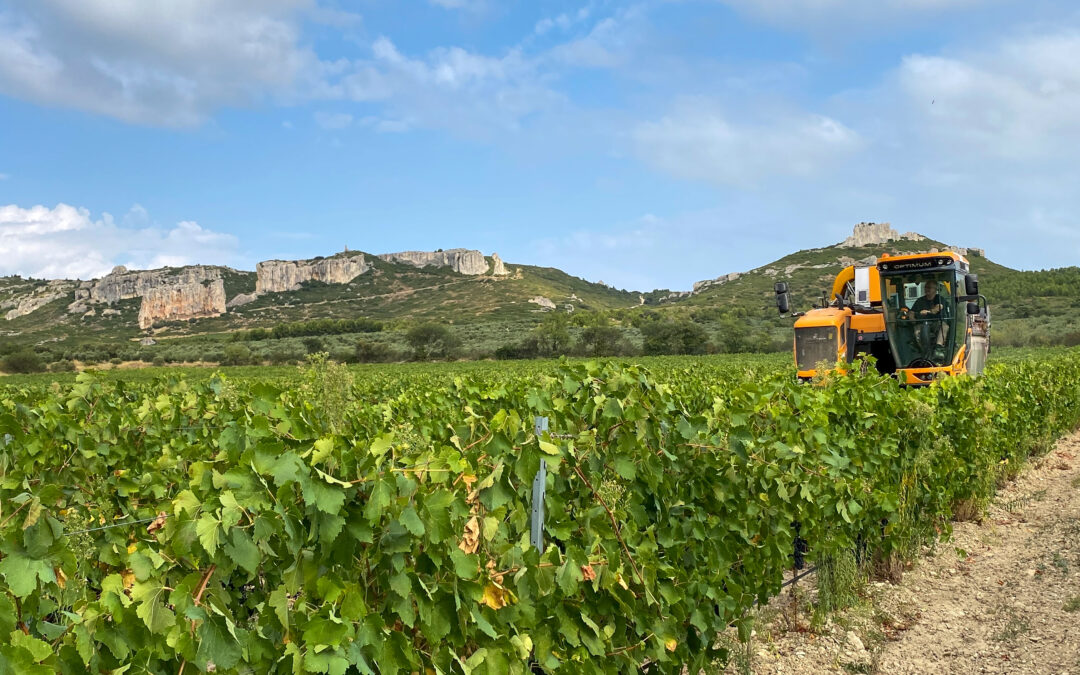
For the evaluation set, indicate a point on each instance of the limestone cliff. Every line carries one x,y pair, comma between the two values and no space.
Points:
462,261
498,267
873,234
39,297
182,301
120,284
278,276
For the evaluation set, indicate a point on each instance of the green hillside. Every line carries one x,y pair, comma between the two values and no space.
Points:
489,315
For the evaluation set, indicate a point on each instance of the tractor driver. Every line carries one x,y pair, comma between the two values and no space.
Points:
932,306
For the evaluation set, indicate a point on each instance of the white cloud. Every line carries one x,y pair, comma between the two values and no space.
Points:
450,88
66,242
612,41
333,121
815,14
168,64
565,20
1019,99
699,141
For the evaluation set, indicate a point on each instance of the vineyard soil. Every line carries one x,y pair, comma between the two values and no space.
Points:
1003,596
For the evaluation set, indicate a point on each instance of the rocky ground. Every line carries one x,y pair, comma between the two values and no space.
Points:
1003,596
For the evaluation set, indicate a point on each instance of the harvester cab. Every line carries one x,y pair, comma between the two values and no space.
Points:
937,321
919,316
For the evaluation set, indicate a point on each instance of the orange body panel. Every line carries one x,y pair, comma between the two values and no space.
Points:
868,323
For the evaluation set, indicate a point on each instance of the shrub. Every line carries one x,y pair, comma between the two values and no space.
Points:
432,341
602,340
285,355
236,355
158,361
372,352
23,362
62,366
526,349
343,355
674,337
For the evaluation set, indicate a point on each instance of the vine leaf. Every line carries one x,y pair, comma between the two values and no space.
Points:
470,540
151,609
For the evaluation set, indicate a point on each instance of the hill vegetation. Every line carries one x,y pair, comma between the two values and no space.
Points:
531,312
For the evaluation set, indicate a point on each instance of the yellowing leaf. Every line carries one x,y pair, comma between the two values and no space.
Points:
129,579
61,578
470,540
323,449
132,548
494,597
33,513
670,644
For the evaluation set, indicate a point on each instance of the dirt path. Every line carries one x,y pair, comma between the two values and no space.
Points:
1003,596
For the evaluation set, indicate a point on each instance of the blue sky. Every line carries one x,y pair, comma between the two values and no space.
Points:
648,144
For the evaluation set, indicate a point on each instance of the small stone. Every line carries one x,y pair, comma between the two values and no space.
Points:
854,641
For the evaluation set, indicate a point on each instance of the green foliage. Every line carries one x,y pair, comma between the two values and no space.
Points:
62,366
432,341
22,362
674,337
553,334
600,338
380,523
313,345
838,581
310,328
236,355
327,389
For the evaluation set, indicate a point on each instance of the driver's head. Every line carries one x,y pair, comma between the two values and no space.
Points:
931,289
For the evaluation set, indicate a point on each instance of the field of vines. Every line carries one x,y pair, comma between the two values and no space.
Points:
377,519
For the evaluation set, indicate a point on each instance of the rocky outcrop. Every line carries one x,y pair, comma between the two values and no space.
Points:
498,268
967,252
874,234
278,276
21,306
461,260
121,284
545,303
723,279
182,301
241,299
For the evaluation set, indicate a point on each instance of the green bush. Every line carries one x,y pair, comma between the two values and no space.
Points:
372,352
430,341
61,366
236,355
22,362
674,337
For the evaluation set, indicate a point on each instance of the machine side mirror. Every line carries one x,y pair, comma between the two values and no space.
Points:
782,303
973,308
971,284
